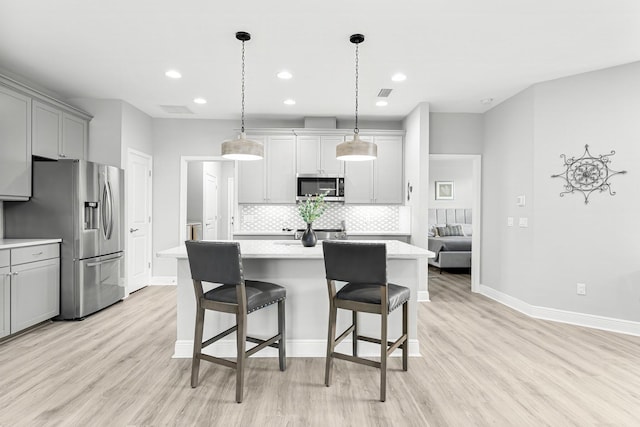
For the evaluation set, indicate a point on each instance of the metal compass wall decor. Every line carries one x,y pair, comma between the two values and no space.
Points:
587,174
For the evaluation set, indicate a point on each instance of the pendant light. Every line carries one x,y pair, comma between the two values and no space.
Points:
356,149
242,148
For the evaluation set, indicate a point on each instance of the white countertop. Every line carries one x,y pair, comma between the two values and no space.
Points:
349,233
293,249
19,243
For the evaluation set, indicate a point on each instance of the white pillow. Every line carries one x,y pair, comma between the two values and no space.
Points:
467,229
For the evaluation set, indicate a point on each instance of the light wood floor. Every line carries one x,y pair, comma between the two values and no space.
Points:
481,364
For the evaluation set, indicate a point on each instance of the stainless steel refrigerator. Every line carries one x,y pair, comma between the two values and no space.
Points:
82,203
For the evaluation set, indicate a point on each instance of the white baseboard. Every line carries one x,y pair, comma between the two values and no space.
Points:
295,348
423,296
563,316
163,281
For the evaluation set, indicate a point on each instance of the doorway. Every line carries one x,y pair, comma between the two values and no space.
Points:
462,174
207,198
138,243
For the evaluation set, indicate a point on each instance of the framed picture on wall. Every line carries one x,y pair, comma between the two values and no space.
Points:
444,190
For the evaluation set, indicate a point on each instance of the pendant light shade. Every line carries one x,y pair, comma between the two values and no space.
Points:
356,149
242,148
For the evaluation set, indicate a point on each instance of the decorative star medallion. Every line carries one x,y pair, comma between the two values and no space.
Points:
587,174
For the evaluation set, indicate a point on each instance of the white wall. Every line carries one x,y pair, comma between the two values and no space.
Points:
455,133
507,172
460,171
416,125
116,126
137,132
567,241
105,129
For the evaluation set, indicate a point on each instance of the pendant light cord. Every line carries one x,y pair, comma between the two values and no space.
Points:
242,120
356,130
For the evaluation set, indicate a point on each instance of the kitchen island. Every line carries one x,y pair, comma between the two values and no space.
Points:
301,271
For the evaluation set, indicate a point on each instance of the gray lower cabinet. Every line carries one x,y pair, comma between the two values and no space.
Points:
5,299
29,287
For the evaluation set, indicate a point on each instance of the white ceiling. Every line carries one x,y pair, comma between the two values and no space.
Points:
454,52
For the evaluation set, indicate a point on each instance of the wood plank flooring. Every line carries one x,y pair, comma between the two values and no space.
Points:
482,364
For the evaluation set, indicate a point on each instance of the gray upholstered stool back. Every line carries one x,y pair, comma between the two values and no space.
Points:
355,262
215,262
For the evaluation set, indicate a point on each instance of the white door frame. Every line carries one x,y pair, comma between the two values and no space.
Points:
184,161
204,206
128,214
476,215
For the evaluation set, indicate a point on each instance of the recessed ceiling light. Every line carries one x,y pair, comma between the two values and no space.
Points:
284,75
381,103
398,77
290,102
486,101
200,101
173,74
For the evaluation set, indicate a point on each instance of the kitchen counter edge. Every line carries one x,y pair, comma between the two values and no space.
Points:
21,243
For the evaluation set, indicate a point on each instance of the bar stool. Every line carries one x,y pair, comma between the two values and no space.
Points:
220,262
364,267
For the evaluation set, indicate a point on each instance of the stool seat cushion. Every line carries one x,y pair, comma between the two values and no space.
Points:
370,294
259,294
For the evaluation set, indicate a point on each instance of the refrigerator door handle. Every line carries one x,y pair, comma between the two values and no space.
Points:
110,194
105,261
107,210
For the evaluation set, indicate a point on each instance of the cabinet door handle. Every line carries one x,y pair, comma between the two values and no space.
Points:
133,230
14,273
62,155
37,253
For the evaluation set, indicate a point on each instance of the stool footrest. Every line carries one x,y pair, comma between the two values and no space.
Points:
344,334
218,361
219,336
373,340
262,344
396,344
355,359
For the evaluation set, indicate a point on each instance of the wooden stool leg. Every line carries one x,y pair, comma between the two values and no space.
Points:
333,313
241,337
383,357
354,315
282,345
405,331
197,346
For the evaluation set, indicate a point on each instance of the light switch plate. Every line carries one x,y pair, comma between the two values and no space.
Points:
509,221
523,222
520,200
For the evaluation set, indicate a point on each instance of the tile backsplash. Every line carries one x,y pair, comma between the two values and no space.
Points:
357,218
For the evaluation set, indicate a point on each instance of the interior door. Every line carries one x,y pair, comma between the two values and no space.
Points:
138,251
210,205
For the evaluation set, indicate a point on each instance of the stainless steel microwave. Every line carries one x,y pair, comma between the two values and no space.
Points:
312,185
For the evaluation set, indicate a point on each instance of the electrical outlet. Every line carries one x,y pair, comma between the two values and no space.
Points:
581,289
523,222
248,219
509,221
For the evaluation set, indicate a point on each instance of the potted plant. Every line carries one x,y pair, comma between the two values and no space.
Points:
310,210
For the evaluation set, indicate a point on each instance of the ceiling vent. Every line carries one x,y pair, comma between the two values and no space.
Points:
384,93
176,109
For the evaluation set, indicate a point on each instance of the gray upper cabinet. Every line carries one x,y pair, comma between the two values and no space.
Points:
271,180
379,181
281,169
47,130
317,155
57,134
15,145
251,178
74,137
